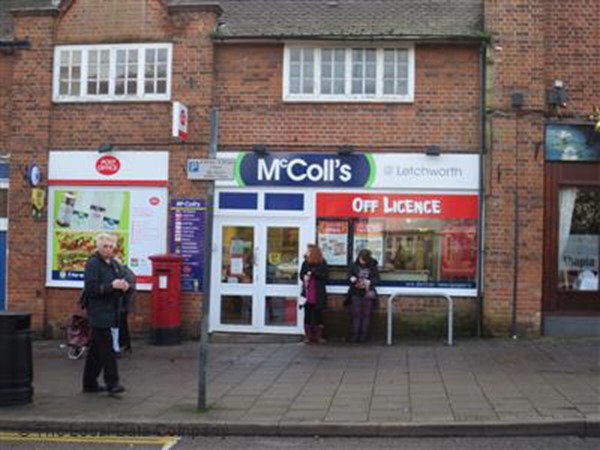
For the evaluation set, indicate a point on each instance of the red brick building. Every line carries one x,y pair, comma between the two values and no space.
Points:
379,86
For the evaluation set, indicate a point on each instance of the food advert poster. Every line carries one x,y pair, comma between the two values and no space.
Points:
333,240
135,216
188,217
369,235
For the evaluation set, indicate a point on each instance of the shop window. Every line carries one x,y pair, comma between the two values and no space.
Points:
410,252
284,202
116,72
236,309
237,255
281,311
339,73
238,200
419,240
578,238
282,255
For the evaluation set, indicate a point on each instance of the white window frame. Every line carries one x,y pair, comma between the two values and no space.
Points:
111,97
317,96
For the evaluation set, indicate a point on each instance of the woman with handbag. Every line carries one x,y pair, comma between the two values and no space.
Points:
314,275
363,276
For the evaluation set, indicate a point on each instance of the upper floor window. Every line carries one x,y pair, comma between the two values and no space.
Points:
329,73
121,72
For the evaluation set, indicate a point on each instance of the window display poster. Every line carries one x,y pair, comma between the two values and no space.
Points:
136,216
369,235
333,240
581,253
188,217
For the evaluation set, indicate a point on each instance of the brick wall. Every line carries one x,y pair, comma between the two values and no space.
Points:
6,65
445,111
86,126
30,102
534,42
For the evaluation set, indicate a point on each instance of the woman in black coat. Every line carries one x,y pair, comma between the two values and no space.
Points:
363,276
314,276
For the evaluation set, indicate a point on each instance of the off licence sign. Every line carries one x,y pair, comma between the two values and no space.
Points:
210,169
425,206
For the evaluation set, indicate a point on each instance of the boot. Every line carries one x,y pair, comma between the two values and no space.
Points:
319,335
307,334
314,335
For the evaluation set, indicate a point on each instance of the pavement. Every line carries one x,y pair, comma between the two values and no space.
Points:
491,387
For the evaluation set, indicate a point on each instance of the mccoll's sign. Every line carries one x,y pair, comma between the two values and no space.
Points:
305,169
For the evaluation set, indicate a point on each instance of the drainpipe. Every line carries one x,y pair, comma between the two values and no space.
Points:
482,152
513,322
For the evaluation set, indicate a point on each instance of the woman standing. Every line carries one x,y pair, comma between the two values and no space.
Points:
314,275
363,276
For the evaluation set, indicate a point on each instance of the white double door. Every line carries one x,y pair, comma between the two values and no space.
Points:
255,267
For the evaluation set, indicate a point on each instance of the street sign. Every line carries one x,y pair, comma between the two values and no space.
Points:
210,169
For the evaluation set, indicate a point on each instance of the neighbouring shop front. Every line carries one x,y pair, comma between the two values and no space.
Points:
418,214
121,193
572,235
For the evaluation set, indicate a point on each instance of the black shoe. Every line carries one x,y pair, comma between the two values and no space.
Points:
116,389
94,389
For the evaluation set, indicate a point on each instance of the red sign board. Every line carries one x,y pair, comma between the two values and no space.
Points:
180,121
108,165
415,206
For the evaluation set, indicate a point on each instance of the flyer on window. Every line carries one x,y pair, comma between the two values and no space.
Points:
333,240
369,235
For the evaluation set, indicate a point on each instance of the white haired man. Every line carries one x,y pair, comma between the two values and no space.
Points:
104,287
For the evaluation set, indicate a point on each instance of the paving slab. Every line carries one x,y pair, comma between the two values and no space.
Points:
477,387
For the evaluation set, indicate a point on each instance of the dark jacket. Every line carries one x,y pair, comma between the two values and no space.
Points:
321,274
372,275
127,304
102,302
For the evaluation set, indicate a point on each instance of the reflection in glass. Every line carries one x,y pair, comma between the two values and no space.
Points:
282,255
579,238
281,311
411,252
237,255
236,309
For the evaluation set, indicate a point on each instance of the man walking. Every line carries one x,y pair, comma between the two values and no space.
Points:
104,287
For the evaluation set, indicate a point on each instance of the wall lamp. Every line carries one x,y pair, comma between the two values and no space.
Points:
432,150
105,148
260,149
345,150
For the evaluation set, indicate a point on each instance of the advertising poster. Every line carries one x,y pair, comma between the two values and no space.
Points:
333,240
187,239
369,235
136,216
121,193
79,215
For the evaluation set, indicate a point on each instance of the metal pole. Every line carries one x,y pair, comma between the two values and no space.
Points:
208,246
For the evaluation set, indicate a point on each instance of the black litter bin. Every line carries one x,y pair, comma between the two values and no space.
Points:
16,365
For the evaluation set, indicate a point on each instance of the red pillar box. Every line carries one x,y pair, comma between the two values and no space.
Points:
165,321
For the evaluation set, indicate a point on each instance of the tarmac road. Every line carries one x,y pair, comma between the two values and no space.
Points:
17,441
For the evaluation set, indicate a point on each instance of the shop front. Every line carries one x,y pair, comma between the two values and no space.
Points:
120,193
572,235
418,214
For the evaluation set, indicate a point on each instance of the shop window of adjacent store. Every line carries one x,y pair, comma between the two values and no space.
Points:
578,238
118,72
328,73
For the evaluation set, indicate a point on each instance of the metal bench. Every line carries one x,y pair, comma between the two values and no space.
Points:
397,294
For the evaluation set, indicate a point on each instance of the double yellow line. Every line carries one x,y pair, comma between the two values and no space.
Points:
166,442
